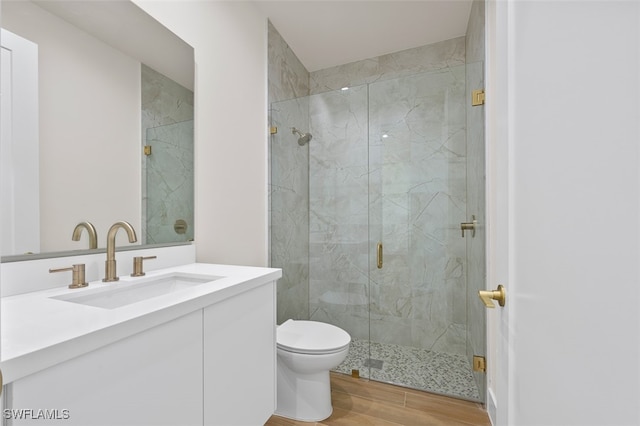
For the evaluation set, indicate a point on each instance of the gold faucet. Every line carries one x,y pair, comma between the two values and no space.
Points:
110,264
91,230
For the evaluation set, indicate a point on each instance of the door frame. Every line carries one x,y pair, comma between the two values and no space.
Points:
498,206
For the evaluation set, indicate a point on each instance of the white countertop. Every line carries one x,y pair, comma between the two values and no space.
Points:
38,331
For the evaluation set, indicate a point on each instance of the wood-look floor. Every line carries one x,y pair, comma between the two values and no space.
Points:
363,402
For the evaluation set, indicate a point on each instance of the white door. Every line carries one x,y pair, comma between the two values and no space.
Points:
564,215
19,182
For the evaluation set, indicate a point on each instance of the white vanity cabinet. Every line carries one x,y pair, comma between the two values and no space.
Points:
215,365
240,359
150,378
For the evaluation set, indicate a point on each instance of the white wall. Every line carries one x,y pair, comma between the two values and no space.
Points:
573,216
230,43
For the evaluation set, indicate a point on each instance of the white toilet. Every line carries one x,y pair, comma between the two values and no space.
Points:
307,350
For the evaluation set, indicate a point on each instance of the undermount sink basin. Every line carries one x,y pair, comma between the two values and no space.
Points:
127,292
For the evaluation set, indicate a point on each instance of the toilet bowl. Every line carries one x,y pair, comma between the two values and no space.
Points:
307,350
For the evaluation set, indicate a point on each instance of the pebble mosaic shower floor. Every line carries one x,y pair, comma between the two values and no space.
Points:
442,373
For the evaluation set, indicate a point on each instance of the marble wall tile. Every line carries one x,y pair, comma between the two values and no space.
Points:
475,45
167,183
288,85
163,100
289,208
442,55
288,78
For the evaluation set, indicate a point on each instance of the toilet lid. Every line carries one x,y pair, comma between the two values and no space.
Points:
311,337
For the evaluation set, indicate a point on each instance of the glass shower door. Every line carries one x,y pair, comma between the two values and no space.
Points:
338,206
417,193
289,208
476,248
319,213
169,183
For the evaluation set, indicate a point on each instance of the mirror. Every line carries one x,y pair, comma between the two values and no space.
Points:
114,113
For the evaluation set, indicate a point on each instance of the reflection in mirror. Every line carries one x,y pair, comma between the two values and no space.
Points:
19,179
167,126
110,82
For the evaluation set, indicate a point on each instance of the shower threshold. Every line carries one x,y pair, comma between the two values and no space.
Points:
442,373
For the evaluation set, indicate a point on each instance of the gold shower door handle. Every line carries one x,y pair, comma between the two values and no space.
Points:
379,255
487,297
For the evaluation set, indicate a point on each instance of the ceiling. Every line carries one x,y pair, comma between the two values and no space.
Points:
325,33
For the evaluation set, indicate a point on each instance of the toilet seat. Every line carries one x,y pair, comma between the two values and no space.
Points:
311,337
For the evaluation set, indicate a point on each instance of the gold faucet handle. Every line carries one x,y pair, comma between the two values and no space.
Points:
78,280
137,265
487,297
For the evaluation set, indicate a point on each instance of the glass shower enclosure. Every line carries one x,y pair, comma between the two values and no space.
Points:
169,183
365,222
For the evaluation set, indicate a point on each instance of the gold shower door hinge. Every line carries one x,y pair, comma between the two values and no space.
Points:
479,363
147,150
273,130
477,97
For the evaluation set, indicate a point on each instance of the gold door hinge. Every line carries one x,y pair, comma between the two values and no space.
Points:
477,97
147,150
479,363
273,130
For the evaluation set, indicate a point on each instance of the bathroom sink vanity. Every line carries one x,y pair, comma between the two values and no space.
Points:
196,349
